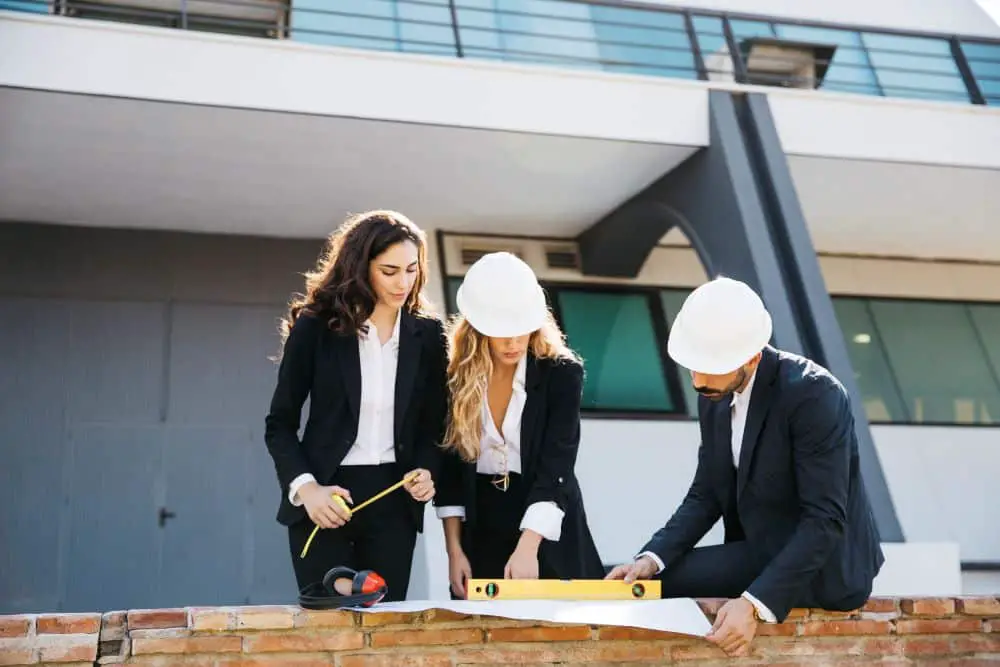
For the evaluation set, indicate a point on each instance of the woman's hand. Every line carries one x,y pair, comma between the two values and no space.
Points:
324,511
523,563
421,488
459,572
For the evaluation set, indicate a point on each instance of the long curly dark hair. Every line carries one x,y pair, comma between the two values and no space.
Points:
339,289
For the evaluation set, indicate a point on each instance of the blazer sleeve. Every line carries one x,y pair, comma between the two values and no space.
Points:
557,457
696,515
821,426
435,403
295,377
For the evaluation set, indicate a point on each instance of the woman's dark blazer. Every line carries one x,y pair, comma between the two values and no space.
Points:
550,438
326,367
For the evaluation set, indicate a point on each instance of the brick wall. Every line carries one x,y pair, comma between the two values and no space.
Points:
943,631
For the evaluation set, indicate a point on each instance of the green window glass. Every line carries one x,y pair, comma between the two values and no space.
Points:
672,300
615,335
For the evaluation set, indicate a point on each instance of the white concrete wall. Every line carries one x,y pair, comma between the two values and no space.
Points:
964,17
120,60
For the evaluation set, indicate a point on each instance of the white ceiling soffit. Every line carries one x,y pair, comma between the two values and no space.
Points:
127,163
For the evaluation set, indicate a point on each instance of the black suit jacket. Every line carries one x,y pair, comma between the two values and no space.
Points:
550,439
800,496
326,367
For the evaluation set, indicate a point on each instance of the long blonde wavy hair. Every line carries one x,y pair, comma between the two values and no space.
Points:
470,366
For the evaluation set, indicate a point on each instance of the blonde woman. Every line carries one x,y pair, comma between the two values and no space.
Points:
507,492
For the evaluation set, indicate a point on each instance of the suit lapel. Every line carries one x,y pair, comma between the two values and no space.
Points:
532,384
406,368
760,402
349,361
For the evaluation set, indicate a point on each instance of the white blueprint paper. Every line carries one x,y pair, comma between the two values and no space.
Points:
680,615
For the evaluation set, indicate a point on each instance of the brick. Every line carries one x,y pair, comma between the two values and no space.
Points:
937,626
396,660
614,633
15,626
444,616
925,646
989,644
266,618
826,615
69,624
175,645
70,649
568,654
564,633
978,606
797,614
20,656
374,619
426,637
303,642
776,629
212,619
700,650
148,619
880,605
113,626
782,647
324,619
841,628
928,606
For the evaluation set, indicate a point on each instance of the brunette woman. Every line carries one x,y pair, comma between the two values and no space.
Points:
361,346
508,494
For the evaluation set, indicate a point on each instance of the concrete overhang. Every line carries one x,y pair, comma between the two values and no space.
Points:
894,177
128,126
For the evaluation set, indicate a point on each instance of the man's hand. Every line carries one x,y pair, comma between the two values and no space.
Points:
643,568
734,628
422,488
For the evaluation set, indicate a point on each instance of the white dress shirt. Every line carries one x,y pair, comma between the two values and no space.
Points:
739,408
545,517
374,442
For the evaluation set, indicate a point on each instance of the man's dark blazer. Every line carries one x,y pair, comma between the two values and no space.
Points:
326,367
550,439
800,496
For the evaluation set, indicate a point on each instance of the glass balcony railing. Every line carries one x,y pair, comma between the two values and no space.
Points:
591,34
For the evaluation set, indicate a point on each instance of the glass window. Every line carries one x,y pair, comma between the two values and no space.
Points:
849,70
939,361
916,67
33,6
672,300
986,320
571,34
984,61
451,291
389,25
879,392
614,334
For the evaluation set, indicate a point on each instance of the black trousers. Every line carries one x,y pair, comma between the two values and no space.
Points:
381,537
497,529
726,571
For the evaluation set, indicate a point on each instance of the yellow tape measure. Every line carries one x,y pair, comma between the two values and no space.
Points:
561,589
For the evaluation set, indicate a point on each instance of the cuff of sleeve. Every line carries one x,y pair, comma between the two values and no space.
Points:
545,518
449,511
762,609
656,559
298,483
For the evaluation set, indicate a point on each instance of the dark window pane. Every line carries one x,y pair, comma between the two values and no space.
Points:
451,287
614,334
672,301
986,320
938,361
878,389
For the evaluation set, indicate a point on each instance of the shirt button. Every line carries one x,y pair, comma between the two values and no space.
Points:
560,480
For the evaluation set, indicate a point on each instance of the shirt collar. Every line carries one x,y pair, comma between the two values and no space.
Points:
521,373
394,339
743,397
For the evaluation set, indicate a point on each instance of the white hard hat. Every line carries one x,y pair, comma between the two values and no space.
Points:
500,297
720,327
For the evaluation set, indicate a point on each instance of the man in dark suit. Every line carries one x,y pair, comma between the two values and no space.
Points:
778,462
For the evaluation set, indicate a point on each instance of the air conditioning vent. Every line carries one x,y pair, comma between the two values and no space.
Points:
562,257
471,254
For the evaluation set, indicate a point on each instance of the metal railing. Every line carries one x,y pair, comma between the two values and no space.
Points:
620,37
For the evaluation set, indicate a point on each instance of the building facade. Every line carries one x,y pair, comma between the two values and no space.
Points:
168,170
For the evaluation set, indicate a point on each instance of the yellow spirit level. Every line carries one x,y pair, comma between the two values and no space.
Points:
561,589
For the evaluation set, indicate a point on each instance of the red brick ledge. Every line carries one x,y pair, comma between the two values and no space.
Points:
887,631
